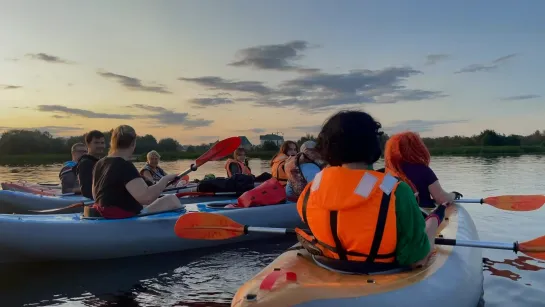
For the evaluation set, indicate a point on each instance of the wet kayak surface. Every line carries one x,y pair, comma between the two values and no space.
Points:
210,277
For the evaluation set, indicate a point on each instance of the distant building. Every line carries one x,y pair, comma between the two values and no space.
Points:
275,138
245,143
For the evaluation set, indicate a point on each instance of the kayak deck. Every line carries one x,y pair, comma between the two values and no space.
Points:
63,237
453,277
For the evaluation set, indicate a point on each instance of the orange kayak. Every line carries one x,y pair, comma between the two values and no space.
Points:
453,277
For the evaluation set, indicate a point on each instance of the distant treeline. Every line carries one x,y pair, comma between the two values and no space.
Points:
26,142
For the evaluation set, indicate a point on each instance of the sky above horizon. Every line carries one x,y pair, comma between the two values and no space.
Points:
203,70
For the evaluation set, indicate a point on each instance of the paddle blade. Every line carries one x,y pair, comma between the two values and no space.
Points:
221,149
534,248
516,202
207,226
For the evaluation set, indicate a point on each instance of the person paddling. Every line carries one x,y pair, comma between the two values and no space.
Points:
151,170
358,216
119,190
407,156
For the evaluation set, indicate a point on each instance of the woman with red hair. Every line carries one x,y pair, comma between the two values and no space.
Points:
407,156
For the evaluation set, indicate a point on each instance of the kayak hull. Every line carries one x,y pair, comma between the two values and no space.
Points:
454,273
18,202
68,237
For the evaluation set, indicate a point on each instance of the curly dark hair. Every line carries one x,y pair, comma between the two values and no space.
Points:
350,136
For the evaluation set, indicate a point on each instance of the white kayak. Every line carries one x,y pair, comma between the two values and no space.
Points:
65,237
452,278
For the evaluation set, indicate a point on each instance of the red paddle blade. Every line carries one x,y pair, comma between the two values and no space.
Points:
534,248
207,226
221,149
516,202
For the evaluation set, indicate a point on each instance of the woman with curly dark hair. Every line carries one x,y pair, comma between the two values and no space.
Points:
359,215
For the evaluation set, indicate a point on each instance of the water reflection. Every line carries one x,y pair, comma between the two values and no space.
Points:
520,263
194,278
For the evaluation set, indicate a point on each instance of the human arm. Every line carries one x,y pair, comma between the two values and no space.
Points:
440,195
413,239
138,188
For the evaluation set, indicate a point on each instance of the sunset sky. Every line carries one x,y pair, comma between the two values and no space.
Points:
202,70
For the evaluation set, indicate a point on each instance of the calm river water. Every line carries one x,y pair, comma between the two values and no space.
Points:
211,277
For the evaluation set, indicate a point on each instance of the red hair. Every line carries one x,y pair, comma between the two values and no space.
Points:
405,147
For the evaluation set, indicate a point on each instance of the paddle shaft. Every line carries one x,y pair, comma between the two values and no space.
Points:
438,241
248,229
192,168
483,244
469,201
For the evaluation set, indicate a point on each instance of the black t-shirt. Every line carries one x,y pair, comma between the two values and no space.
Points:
84,172
110,176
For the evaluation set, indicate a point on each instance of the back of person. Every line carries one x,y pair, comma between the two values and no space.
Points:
302,168
407,156
68,177
422,176
110,177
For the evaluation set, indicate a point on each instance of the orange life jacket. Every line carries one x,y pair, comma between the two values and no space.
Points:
351,214
277,169
243,168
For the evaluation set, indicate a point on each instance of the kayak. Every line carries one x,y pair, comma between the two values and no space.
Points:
35,188
23,202
453,277
70,237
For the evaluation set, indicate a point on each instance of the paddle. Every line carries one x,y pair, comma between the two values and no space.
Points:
211,226
219,150
510,202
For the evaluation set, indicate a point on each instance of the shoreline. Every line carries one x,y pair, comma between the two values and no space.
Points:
37,159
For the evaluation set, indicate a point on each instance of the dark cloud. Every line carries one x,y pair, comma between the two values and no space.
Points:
134,84
487,66
218,83
11,59
210,102
48,58
520,97
58,116
322,91
158,116
319,92
417,125
81,112
433,59
274,57
10,87
163,117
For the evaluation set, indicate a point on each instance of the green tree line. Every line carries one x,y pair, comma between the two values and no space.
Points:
27,142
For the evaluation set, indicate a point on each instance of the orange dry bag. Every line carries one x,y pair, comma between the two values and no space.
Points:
270,192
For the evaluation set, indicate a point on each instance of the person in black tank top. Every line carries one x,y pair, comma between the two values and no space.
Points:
119,190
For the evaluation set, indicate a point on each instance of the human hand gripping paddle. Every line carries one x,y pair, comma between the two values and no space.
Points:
211,226
219,150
